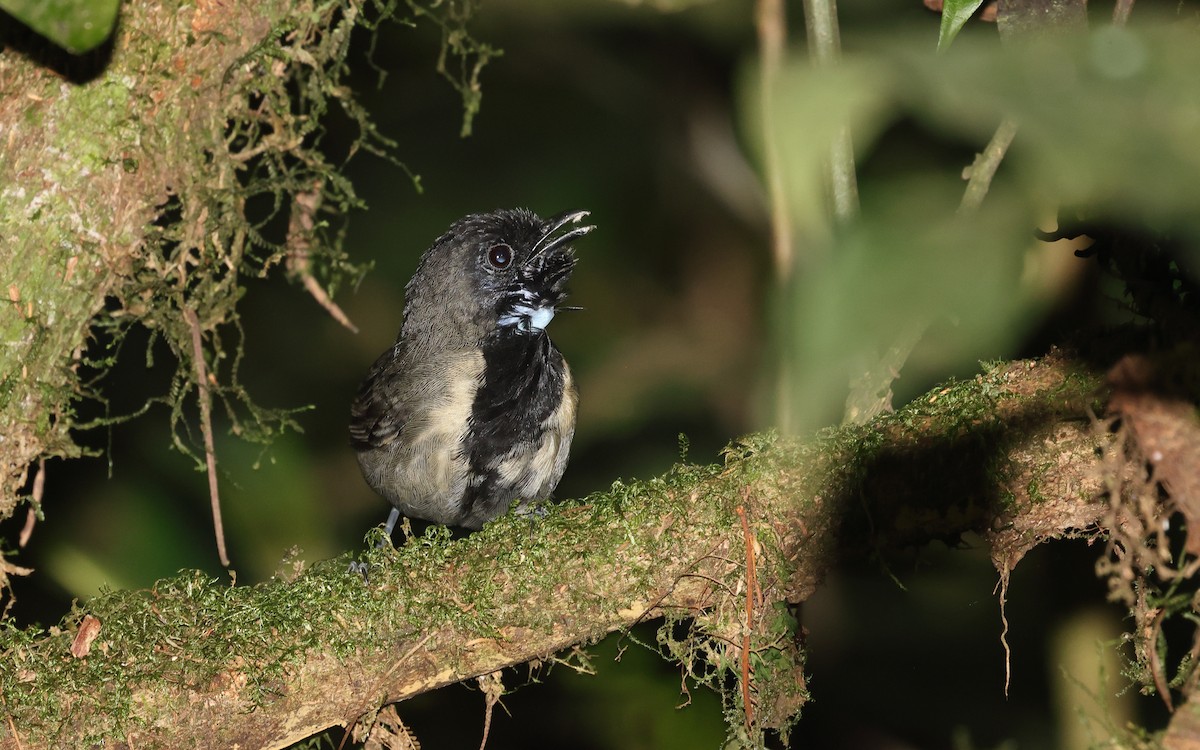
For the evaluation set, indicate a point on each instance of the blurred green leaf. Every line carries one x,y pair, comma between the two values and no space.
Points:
910,260
1108,120
955,14
77,26
1108,125
810,112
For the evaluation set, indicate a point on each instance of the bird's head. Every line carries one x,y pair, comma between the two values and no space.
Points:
507,269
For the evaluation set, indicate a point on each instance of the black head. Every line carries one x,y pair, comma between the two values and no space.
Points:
506,269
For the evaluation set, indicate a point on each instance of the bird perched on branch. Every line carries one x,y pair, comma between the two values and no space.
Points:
473,407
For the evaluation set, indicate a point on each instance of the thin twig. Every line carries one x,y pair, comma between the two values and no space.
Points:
751,592
1122,11
986,164
671,589
415,648
35,497
824,48
210,453
299,242
13,727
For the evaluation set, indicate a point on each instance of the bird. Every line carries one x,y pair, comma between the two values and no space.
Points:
473,407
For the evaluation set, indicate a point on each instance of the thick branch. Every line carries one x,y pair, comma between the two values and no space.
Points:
198,663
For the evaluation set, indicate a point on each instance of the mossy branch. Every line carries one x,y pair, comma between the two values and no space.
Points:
195,662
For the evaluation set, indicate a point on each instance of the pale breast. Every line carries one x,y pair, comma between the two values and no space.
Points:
424,472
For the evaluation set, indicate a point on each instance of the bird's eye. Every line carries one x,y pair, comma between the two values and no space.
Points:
500,256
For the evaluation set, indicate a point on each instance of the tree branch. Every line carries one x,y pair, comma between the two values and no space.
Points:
195,662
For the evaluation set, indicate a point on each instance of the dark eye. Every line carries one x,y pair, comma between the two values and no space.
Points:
500,256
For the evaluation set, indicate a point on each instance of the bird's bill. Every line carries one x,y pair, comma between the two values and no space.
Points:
551,240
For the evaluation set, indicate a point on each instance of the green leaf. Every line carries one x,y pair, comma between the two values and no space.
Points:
955,14
75,25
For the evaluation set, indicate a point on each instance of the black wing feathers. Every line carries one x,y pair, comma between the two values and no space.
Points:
377,415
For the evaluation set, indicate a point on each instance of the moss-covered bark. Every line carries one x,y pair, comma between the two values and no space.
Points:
94,151
198,663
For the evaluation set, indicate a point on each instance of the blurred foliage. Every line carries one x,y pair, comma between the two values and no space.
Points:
77,26
1106,128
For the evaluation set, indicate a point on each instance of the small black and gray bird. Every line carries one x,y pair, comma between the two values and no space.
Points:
473,407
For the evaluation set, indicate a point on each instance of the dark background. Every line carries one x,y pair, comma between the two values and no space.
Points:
635,115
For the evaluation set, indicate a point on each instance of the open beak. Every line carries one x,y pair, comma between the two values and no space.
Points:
552,240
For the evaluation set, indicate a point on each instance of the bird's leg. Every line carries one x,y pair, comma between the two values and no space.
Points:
393,517
361,567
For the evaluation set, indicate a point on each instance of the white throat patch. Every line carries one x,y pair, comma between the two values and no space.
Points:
528,318
541,317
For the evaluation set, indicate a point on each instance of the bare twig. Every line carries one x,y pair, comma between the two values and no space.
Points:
299,240
13,728
35,496
1122,11
210,453
985,166
408,654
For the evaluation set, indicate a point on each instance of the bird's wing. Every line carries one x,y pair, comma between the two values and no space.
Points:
403,398
379,412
